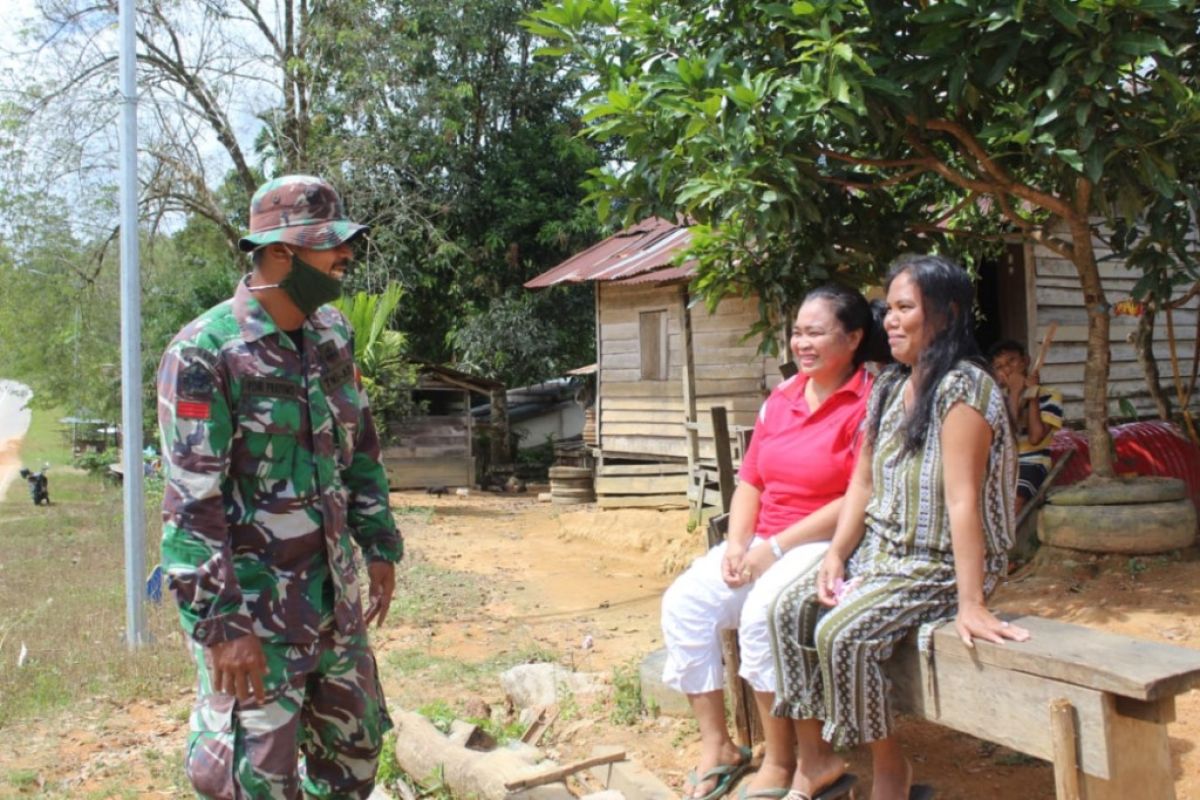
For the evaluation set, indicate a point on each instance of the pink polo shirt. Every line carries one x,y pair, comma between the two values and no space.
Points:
800,459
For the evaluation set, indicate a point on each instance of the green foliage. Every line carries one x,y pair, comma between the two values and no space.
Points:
629,707
816,139
94,462
459,146
526,337
381,354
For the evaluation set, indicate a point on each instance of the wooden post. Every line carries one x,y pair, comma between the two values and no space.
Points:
1066,761
1140,753
720,426
689,394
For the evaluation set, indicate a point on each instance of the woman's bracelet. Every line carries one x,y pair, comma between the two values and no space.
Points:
775,547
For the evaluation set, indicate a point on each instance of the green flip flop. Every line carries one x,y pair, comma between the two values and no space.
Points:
726,775
773,793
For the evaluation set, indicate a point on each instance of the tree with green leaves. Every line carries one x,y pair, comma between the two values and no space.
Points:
1058,121
459,147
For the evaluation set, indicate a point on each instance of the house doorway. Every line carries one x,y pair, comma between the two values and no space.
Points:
1001,297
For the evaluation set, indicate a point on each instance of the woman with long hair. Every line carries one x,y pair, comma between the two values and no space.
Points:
922,535
782,514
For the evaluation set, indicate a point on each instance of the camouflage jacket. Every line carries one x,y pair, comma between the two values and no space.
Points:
272,465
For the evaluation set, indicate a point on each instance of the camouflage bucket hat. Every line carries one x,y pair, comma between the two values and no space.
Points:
300,210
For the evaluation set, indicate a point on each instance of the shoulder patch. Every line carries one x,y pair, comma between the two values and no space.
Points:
195,382
337,376
328,350
208,357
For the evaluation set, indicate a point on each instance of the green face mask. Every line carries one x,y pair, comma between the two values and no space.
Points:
309,287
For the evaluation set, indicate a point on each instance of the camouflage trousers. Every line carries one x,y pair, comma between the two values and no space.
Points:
324,707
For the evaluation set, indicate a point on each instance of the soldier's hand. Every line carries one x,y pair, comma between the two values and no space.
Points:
383,582
238,667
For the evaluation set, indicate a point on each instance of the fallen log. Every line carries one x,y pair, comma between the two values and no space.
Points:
421,749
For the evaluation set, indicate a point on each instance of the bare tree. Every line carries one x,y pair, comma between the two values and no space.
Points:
213,75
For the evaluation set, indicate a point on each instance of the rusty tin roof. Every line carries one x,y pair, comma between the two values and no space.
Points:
642,253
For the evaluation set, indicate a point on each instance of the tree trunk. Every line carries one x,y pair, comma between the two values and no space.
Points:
1143,348
1095,371
501,452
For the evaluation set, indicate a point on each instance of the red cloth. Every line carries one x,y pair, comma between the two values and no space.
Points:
801,460
1149,447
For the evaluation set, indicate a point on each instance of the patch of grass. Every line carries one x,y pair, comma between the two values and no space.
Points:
440,713
687,731
629,705
45,442
62,588
1136,567
424,514
426,593
21,779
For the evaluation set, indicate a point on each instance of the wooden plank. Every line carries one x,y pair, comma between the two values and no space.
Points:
1087,657
638,388
648,447
653,416
642,484
644,404
1061,268
622,470
422,473
626,376
642,501
709,387
994,702
643,429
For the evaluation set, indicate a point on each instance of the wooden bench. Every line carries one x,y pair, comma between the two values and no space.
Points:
1096,704
1093,703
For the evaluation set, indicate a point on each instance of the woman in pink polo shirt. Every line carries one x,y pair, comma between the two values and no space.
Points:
781,518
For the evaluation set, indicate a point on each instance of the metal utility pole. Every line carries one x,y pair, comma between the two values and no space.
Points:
131,340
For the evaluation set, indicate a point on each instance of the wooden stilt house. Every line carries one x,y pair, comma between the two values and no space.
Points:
662,361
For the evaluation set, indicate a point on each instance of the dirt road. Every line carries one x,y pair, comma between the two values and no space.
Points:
490,577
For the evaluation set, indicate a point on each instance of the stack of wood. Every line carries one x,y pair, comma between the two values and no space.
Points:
642,485
571,485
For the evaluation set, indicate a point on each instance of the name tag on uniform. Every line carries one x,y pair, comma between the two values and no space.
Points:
271,387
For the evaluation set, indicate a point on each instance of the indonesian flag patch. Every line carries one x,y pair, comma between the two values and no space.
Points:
190,409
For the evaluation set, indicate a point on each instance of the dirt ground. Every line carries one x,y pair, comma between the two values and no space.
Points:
552,576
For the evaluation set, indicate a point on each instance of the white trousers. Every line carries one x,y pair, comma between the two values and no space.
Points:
699,605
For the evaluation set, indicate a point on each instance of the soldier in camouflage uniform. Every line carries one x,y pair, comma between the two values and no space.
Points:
273,475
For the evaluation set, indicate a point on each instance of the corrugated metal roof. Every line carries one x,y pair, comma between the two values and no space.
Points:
642,253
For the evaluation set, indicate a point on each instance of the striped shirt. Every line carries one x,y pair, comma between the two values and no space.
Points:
1050,405
908,507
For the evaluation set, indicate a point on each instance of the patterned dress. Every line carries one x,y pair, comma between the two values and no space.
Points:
830,661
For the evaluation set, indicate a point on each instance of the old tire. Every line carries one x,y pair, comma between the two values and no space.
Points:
570,472
1129,491
1134,529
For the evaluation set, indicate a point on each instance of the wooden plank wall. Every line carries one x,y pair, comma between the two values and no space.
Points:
645,418
1059,298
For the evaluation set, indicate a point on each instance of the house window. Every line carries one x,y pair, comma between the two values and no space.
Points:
652,344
